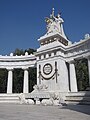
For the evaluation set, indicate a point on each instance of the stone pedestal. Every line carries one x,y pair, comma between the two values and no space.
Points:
37,102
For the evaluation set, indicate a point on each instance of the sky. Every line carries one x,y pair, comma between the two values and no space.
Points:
22,22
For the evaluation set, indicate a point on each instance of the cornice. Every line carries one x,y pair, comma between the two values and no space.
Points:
77,44
17,58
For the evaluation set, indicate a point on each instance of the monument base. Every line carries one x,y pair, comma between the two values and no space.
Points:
82,97
45,97
10,98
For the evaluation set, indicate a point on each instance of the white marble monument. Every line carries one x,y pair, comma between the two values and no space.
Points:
54,59
56,74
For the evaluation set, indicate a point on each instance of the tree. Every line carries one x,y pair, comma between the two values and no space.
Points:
30,51
32,78
18,80
18,52
22,52
3,80
82,74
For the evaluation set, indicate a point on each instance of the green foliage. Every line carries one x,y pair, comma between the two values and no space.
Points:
32,78
3,80
18,77
18,52
18,80
30,51
22,52
82,74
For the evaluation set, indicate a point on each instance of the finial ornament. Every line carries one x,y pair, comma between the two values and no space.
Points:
53,12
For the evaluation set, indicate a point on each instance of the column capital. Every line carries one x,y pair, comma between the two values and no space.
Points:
72,61
10,78
25,68
87,57
10,68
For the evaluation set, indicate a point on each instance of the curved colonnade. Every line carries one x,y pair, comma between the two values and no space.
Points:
68,53
78,51
15,62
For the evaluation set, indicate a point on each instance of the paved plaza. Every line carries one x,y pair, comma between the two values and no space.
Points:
39,112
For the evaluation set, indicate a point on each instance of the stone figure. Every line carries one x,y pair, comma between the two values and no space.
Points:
54,24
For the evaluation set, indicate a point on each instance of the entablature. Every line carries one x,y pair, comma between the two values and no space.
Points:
17,61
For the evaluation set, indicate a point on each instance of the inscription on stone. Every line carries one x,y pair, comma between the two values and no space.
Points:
47,69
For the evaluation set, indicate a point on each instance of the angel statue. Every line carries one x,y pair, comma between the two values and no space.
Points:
54,24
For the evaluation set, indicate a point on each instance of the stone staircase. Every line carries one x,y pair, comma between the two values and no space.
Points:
9,98
78,98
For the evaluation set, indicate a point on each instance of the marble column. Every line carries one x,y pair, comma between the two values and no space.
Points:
89,69
73,81
10,80
25,83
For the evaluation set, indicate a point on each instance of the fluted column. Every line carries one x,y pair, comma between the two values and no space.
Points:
89,69
10,80
25,83
73,81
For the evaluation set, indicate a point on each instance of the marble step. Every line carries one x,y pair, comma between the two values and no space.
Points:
9,98
77,102
78,98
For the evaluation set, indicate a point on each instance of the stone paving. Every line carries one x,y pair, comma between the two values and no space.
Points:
39,112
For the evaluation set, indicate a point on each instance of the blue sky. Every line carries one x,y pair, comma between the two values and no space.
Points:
22,21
